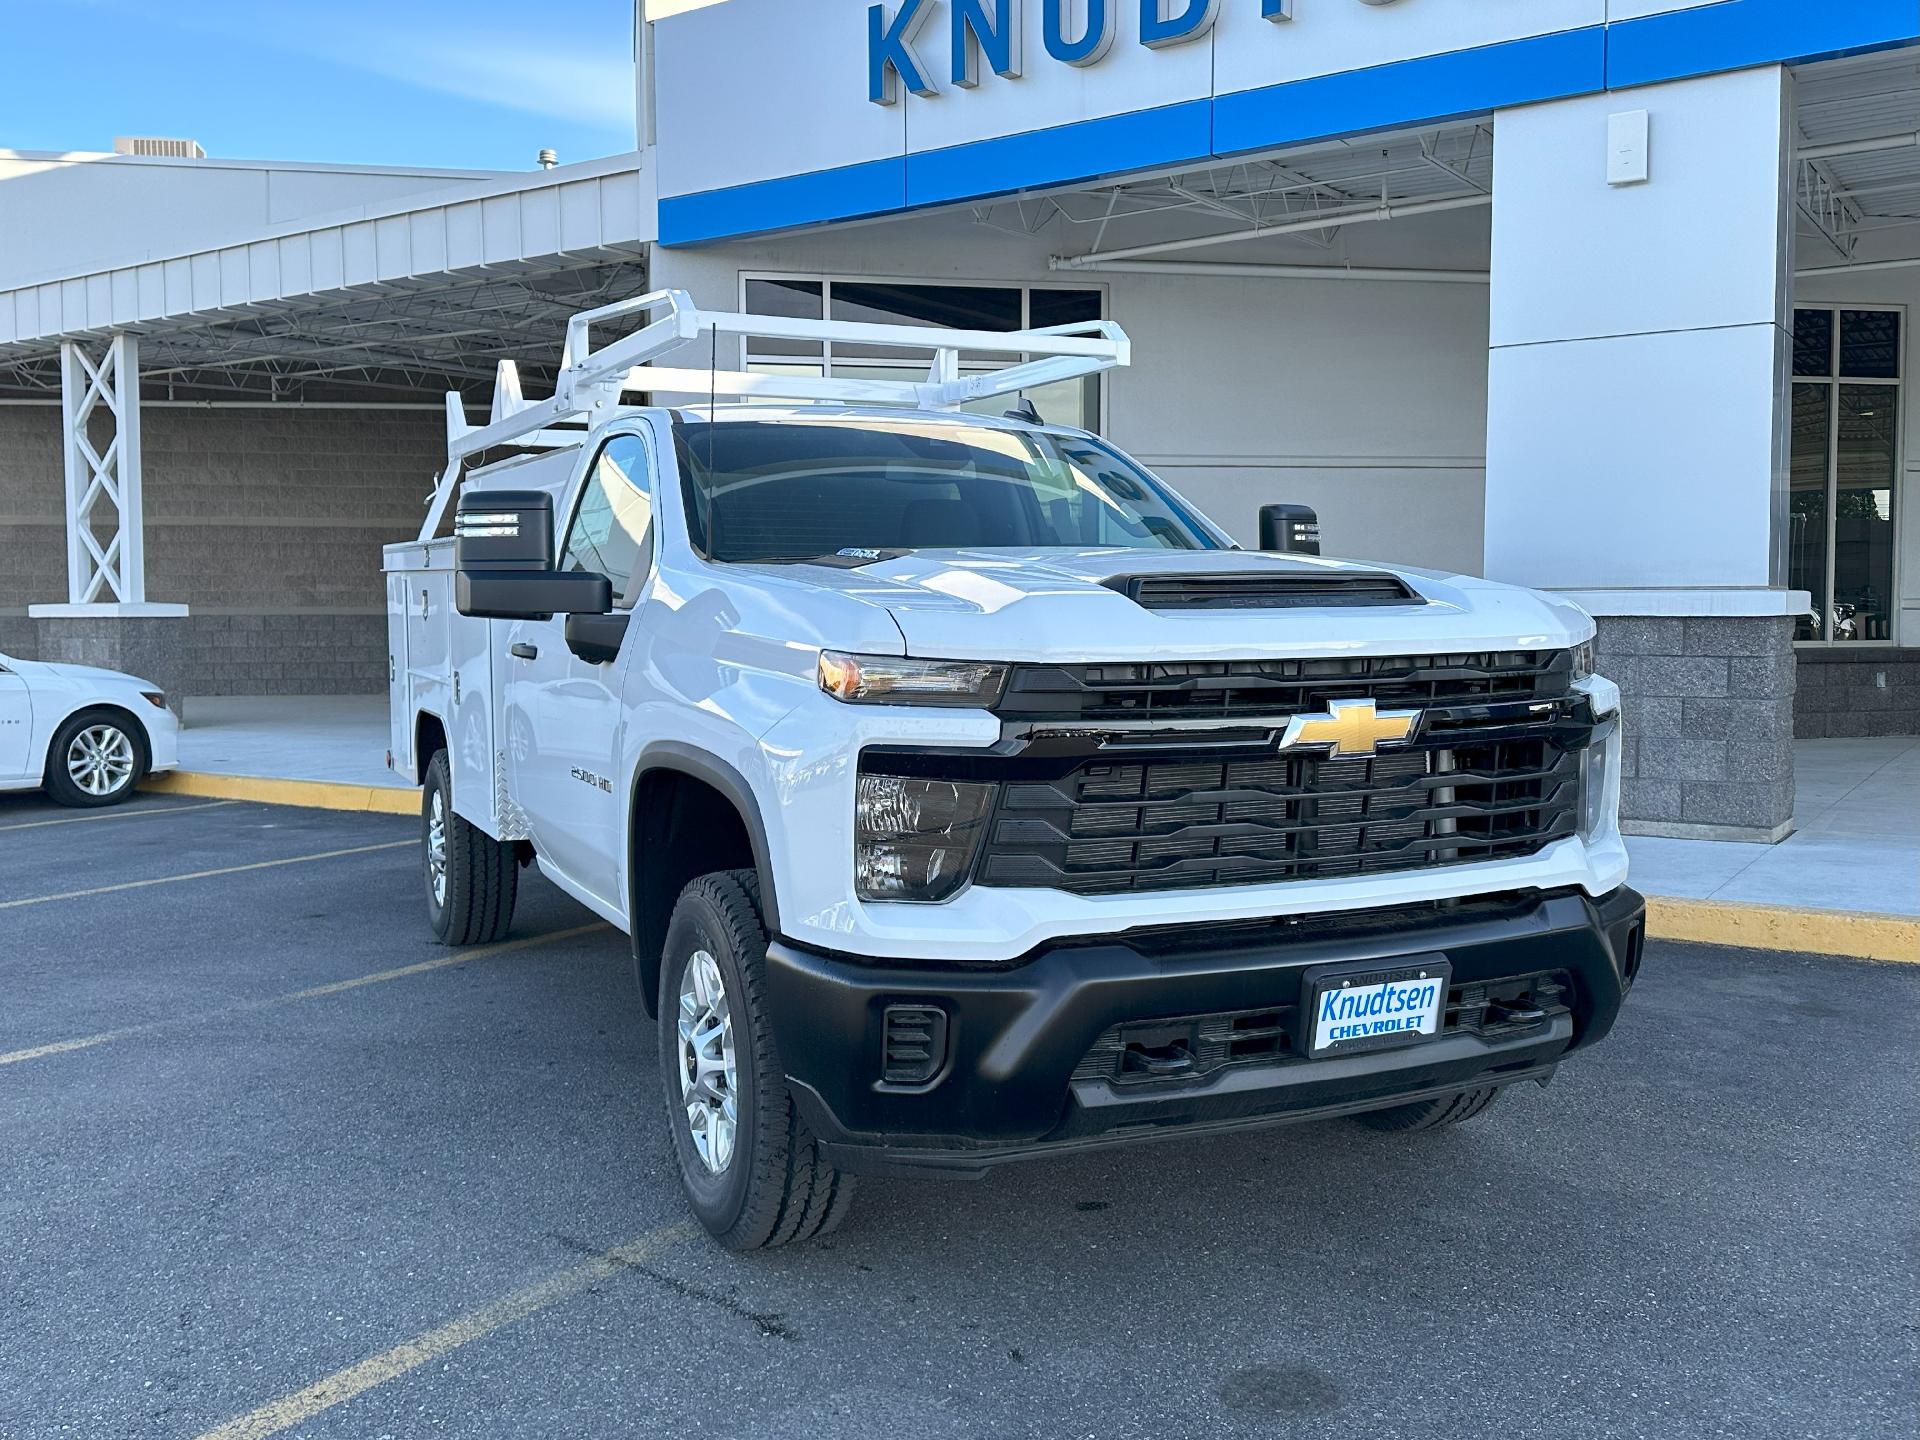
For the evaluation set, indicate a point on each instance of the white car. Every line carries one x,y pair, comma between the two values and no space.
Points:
87,736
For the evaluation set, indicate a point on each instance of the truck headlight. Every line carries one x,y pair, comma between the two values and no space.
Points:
1583,661
892,680
915,839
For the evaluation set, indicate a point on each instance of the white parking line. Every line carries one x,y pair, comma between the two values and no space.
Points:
144,812
203,874
343,1385
312,992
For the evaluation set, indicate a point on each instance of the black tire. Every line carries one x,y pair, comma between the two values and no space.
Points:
60,784
1432,1114
479,876
774,1188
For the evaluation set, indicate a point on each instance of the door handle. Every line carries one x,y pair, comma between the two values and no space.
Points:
520,650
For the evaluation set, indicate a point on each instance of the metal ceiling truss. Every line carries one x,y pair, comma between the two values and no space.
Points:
1856,174
1309,197
1857,153
390,341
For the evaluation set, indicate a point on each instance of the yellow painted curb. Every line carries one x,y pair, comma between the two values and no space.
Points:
1772,927
310,794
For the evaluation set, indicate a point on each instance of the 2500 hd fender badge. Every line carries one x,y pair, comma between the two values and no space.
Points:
599,782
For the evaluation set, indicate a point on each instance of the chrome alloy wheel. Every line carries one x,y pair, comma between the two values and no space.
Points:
100,759
708,1076
437,847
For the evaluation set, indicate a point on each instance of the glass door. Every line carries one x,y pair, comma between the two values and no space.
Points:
1845,468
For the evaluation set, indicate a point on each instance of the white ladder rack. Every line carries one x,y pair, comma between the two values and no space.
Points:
591,382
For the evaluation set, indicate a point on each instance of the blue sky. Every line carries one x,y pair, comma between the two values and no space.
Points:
481,84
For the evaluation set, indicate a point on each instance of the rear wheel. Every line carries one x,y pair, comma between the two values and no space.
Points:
752,1172
472,878
97,758
1432,1114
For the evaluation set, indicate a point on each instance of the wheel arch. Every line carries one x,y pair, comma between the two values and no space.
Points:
429,735
129,721
674,787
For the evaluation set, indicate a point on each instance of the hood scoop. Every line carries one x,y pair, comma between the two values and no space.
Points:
1253,590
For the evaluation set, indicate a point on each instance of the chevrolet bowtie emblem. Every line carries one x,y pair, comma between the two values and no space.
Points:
1350,727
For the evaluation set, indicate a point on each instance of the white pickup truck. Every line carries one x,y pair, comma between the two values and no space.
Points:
967,794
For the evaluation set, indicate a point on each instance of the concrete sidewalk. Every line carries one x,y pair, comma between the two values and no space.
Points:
1857,845
336,738
1848,882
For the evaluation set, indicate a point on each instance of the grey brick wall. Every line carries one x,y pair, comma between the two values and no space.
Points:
33,555
267,523
1851,691
1707,704
17,637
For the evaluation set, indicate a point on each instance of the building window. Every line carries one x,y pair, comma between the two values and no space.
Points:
1845,461
946,306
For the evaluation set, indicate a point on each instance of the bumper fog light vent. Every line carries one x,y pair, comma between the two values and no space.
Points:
914,1047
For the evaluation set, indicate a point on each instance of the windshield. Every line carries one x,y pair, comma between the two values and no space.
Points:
801,489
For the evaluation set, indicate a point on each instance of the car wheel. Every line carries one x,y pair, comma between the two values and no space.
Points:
1432,1114
97,758
752,1172
472,879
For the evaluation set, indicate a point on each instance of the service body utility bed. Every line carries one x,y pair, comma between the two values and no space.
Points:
445,668
967,795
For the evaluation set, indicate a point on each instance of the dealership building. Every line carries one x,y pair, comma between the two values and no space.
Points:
1608,297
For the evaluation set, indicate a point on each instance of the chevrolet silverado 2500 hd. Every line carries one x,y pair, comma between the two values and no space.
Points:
967,795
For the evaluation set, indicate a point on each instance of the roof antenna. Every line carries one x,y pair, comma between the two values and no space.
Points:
1025,409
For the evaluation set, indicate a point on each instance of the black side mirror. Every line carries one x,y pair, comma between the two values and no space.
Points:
1292,529
530,594
596,638
503,561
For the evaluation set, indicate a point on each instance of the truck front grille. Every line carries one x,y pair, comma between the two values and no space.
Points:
1190,690
1114,826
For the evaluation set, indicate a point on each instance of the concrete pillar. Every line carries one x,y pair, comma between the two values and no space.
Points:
1638,423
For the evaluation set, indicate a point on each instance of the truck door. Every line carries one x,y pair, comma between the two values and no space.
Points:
562,712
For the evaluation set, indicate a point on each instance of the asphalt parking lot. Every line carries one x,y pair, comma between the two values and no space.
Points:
272,1163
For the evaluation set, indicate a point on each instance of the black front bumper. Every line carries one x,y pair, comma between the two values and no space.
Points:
1018,1077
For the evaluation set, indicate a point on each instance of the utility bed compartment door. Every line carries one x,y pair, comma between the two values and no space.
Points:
443,672
399,690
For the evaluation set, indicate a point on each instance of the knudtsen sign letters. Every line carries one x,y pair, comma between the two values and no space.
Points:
987,33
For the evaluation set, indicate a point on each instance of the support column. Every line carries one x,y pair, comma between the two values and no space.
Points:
1638,423
107,619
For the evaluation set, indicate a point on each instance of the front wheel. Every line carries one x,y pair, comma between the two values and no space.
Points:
752,1171
97,758
472,879
1432,1114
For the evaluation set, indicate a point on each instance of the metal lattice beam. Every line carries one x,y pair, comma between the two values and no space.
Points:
110,386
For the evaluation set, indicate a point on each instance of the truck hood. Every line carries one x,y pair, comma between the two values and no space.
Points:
1056,605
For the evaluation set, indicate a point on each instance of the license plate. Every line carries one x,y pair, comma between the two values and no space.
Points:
1375,1008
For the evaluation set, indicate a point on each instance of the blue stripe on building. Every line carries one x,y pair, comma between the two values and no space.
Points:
1738,33
1064,154
1413,92
876,187
1730,35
